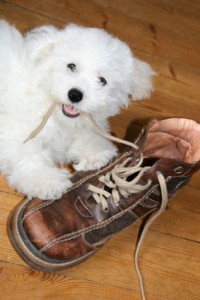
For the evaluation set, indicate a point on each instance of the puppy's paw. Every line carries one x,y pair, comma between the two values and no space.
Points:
53,188
46,183
96,160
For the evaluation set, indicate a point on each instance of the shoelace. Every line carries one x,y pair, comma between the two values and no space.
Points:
164,202
42,123
116,181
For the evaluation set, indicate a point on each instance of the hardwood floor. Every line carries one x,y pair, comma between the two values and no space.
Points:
166,34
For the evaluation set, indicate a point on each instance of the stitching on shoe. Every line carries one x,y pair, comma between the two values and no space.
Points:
151,205
102,224
41,262
35,258
93,246
34,209
180,183
133,214
113,234
110,236
83,215
95,226
105,239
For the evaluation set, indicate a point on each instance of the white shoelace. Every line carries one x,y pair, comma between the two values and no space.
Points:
116,181
164,202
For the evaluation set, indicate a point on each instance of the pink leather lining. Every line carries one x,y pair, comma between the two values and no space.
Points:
174,138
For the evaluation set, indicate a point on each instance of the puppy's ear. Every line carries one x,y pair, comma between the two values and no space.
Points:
40,41
142,80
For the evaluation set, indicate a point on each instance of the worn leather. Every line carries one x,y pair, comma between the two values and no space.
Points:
74,227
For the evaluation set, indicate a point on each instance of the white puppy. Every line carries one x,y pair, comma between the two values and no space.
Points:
83,70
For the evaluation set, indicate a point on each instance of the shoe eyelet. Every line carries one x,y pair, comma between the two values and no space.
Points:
118,203
106,210
87,187
137,160
178,169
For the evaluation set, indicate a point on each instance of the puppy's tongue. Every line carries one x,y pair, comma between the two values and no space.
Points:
70,111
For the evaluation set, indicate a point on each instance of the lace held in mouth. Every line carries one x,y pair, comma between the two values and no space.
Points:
46,117
51,109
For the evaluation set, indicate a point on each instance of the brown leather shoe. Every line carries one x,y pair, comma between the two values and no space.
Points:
53,235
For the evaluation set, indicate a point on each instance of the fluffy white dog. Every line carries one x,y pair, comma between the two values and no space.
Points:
82,70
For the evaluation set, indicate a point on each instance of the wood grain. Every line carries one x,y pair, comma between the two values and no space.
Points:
165,33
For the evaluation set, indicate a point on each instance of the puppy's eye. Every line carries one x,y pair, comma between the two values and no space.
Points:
102,80
72,67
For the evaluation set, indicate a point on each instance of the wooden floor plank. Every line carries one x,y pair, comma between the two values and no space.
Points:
190,92
161,107
164,33
165,67
24,19
31,284
45,14
159,252
182,7
156,41
162,255
169,17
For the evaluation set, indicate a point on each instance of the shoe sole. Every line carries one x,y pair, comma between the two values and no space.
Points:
29,253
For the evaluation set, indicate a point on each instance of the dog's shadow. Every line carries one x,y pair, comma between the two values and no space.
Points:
132,132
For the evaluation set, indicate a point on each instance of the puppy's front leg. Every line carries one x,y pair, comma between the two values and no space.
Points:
91,152
33,173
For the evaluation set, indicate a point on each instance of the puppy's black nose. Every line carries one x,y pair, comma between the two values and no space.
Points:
75,95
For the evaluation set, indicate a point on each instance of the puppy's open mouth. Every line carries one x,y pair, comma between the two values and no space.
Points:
70,111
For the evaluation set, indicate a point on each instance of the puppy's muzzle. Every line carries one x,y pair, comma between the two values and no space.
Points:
75,95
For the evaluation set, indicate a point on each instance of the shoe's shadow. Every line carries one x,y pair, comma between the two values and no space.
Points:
132,131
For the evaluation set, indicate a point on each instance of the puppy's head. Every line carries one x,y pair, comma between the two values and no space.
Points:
87,69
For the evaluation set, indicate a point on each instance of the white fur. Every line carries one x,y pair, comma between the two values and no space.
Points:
33,74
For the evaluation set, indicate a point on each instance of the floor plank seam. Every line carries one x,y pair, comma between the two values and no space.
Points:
174,236
34,13
68,276
63,23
